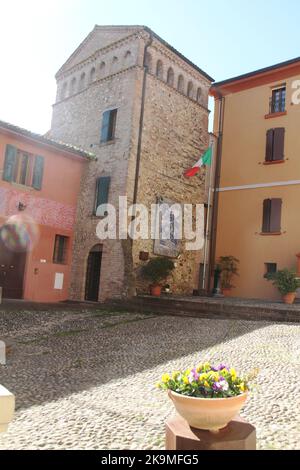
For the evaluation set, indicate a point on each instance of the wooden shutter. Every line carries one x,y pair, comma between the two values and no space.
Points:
105,126
275,217
102,191
269,146
266,216
9,163
278,144
38,172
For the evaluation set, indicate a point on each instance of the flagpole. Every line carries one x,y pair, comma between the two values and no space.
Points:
207,234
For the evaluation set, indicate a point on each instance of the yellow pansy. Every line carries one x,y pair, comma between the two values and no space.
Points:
206,384
206,365
199,368
233,374
165,378
242,387
202,377
186,380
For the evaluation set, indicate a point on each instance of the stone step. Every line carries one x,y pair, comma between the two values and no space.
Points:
211,308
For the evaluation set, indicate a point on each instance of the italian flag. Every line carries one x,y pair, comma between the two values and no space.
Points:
204,160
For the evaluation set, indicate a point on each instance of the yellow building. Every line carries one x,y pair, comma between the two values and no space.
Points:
257,203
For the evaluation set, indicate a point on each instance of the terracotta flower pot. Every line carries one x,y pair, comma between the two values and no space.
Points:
226,291
210,414
155,290
289,298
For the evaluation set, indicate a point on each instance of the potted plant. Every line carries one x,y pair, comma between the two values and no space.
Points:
157,270
287,283
228,266
207,397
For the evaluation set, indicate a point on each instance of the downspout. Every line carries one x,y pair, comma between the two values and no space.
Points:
141,124
214,221
127,245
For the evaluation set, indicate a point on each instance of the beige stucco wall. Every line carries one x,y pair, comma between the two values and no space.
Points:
240,211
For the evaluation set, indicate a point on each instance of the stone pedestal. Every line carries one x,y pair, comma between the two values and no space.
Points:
7,408
238,435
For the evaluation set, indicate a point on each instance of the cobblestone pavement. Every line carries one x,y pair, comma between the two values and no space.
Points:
85,380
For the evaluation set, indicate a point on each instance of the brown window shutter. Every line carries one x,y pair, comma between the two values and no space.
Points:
275,218
269,146
266,216
278,144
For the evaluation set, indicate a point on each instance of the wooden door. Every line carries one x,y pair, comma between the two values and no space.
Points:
93,276
12,266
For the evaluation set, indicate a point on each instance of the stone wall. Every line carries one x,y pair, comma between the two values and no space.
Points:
174,137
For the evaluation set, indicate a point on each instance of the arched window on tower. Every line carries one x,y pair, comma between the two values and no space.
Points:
180,85
64,89
73,86
114,64
102,69
127,57
170,78
190,90
82,81
159,70
199,95
149,62
92,75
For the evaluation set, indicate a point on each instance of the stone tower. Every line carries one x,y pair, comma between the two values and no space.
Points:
142,108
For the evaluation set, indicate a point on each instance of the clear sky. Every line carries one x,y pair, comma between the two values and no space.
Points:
223,37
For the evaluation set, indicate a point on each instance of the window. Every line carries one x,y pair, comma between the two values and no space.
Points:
272,216
64,91
108,125
270,268
277,102
170,77
82,82
190,90
73,86
199,95
102,68
149,62
92,75
159,69
275,144
180,85
60,249
102,193
23,168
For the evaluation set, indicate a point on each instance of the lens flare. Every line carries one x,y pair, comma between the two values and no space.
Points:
20,233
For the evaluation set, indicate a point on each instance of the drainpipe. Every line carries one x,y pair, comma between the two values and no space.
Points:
214,222
139,147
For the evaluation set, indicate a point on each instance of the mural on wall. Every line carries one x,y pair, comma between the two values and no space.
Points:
168,229
42,211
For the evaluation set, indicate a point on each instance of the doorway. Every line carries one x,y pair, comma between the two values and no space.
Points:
12,267
93,271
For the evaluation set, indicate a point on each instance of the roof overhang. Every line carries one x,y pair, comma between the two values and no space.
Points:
260,77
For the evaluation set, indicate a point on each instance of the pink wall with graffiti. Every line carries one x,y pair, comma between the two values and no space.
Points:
42,211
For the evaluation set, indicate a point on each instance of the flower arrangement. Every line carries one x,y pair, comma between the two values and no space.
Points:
205,381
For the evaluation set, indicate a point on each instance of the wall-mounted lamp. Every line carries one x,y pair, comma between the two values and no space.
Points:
21,207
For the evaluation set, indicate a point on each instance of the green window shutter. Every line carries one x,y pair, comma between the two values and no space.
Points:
9,163
105,126
102,191
38,171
